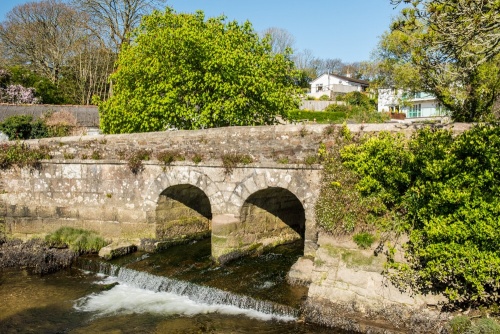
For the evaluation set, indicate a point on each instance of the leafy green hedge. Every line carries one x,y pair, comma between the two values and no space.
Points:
444,192
337,114
321,117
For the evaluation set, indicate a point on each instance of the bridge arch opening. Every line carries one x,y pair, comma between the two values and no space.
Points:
274,216
183,212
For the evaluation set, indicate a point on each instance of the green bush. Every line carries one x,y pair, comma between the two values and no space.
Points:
340,207
338,108
445,193
485,326
364,239
324,98
78,240
357,99
17,127
321,117
460,324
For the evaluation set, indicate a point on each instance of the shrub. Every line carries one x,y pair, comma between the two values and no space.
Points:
340,208
460,324
60,123
357,99
363,239
445,192
78,240
338,108
17,127
324,98
53,124
323,117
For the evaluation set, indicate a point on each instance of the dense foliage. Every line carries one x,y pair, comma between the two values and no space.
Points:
338,114
340,208
182,71
445,193
52,124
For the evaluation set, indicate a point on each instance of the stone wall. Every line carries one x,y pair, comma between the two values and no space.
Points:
86,116
347,290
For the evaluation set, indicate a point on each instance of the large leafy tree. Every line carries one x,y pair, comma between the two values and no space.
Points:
453,47
184,71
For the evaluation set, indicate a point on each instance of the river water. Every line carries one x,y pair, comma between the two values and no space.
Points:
175,291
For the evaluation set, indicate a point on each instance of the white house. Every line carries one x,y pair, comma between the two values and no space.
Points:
333,84
413,105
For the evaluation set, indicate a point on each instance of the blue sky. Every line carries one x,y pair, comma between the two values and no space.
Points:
345,29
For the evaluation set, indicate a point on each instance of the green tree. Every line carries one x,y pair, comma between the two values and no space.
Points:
453,47
186,72
44,88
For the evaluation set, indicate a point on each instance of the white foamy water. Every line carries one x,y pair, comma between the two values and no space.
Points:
128,299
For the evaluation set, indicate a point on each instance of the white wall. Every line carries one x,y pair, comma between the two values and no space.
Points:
332,83
387,98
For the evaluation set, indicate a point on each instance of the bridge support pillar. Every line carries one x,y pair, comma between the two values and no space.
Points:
233,238
223,247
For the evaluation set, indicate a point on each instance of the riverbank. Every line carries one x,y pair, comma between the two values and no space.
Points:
34,255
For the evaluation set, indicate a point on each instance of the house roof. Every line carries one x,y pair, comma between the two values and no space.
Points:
358,81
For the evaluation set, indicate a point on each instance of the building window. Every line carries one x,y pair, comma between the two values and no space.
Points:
415,111
319,87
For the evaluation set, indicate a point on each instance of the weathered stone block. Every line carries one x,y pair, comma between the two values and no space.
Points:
117,249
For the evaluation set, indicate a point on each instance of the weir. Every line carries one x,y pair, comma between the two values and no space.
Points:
198,293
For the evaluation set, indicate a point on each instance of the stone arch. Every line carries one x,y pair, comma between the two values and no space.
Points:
295,181
275,214
180,175
183,212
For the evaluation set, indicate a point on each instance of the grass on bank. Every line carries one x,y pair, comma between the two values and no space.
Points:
78,240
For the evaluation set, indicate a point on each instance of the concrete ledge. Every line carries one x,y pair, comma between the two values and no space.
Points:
117,249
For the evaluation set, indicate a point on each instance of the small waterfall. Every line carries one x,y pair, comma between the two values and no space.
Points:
197,293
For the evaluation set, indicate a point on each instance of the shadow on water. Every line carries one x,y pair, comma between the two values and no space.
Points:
262,277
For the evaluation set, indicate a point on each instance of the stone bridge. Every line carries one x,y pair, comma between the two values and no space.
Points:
244,208
89,183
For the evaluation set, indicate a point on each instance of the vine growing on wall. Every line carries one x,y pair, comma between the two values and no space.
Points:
22,156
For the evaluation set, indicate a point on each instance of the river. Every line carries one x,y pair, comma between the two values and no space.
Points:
174,291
